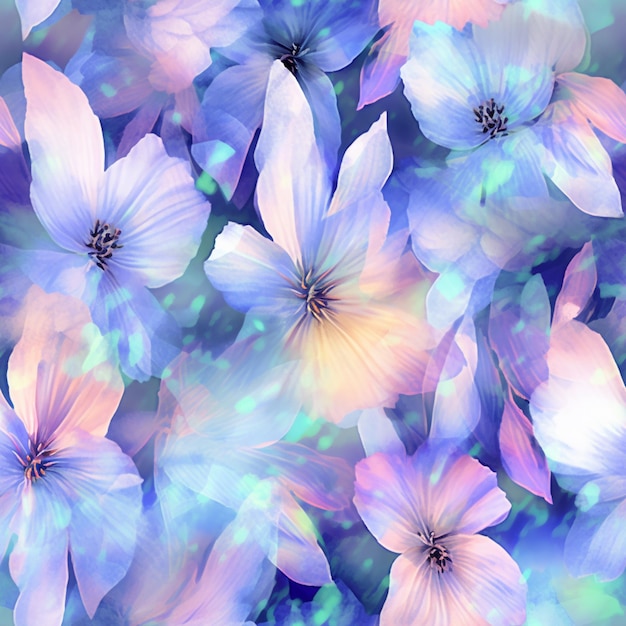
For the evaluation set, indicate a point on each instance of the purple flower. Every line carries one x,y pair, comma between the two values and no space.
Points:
310,38
504,96
65,488
429,507
114,233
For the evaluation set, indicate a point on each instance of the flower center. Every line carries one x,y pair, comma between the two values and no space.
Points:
491,119
102,243
315,291
36,461
438,556
289,59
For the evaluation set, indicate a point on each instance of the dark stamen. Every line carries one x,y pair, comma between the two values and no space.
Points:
289,59
103,241
438,556
489,116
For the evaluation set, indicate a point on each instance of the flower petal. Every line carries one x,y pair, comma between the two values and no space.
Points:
60,373
456,408
578,285
33,13
365,167
293,188
483,586
38,562
106,503
147,338
519,330
67,153
266,275
231,113
522,458
579,413
596,542
600,100
152,199
440,80
576,162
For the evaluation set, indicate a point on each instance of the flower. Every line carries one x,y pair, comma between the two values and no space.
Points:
149,64
381,71
579,417
490,92
65,488
310,38
114,232
331,290
428,507
226,419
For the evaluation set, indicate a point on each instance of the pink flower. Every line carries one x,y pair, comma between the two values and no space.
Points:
64,487
429,507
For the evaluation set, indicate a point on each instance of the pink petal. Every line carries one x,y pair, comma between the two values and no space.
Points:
483,586
600,100
9,135
522,458
67,153
578,285
575,160
60,375
579,414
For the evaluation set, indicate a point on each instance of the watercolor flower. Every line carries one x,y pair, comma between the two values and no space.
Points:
65,488
226,419
579,417
504,109
331,290
185,587
380,74
310,38
34,12
114,233
428,507
143,57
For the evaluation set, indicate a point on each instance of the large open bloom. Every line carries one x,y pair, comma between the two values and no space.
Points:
429,507
114,232
381,71
496,93
579,416
331,290
64,487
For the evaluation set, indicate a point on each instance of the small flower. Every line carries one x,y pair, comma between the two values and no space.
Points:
65,488
429,507
113,233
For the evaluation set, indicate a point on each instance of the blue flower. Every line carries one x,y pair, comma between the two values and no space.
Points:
65,488
113,233
310,38
491,93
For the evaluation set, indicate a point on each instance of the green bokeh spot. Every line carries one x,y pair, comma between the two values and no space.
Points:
108,90
206,184
245,405
450,285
